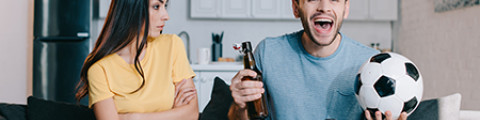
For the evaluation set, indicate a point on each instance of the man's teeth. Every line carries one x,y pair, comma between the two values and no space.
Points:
323,20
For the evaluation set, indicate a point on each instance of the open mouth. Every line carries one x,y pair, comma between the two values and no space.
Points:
323,25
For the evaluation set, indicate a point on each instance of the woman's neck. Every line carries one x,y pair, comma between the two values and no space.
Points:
128,52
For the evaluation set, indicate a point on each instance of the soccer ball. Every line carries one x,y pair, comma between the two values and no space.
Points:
389,81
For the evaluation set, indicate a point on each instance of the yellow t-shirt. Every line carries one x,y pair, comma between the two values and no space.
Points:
165,63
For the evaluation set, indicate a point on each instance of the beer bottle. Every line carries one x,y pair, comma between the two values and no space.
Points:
256,109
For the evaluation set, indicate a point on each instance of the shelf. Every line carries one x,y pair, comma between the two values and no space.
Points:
218,67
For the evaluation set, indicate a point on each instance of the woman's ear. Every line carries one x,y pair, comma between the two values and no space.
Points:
295,8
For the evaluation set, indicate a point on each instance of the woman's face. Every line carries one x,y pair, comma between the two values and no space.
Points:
158,16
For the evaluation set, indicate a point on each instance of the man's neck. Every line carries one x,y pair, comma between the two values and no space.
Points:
320,51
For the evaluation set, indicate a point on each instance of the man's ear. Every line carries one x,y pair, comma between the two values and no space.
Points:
347,9
295,8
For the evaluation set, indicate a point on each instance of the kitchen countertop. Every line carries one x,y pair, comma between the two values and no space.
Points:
218,66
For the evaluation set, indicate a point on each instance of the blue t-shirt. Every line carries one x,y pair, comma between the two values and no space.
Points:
303,87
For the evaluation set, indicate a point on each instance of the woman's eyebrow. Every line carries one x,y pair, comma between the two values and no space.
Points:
163,1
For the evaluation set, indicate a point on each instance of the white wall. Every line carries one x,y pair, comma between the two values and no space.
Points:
16,35
445,46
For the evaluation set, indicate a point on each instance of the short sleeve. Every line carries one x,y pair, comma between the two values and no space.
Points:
258,54
98,87
181,65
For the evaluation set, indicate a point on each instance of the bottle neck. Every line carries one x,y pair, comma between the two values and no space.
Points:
249,61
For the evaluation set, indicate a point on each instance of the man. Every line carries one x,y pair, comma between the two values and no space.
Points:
308,74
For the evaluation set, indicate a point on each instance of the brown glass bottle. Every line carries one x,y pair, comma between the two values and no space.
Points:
256,109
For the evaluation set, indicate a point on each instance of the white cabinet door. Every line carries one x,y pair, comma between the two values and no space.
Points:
236,8
225,76
204,8
383,9
242,9
286,9
205,91
198,83
358,10
266,8
204,84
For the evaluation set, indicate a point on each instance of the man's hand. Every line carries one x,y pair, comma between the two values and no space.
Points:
183,95
388,114
246,91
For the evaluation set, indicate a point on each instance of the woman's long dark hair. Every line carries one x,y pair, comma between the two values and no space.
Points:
123,26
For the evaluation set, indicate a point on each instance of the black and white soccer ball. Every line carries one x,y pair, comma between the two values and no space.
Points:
389,81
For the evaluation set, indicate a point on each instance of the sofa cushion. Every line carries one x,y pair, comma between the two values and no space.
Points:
2,118
13,111
443,108
469,115
220,101
426,110
449,107
39,109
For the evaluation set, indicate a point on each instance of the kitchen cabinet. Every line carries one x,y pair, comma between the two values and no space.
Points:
205,8
236,8
377,10
286,9
358,10
383,9
205,78
241,9
266,8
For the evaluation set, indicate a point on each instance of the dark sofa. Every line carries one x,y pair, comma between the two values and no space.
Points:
39,109
216,109
221,99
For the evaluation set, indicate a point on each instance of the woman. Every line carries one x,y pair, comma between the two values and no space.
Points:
134,71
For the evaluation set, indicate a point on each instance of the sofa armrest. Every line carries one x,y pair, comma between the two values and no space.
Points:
469,115
13,111
2,118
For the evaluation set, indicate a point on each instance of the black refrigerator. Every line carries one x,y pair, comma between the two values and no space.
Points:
61,44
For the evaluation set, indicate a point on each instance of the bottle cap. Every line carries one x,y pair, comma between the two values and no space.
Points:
246,46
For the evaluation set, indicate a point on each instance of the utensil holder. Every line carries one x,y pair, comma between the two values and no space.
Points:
216,51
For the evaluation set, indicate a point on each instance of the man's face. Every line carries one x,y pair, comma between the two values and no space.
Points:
321,19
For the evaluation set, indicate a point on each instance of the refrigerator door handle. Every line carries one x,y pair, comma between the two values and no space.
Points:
60,39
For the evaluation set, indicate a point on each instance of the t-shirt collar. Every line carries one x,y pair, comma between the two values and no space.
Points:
298,37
